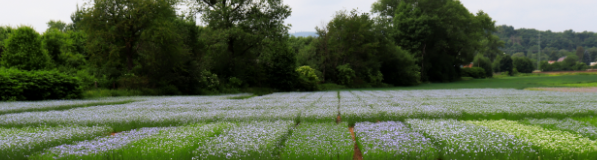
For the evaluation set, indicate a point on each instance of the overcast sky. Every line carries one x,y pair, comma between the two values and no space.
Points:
555,15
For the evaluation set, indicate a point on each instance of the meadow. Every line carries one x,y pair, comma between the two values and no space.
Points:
496,124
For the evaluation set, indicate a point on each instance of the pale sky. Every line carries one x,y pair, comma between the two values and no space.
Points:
555,15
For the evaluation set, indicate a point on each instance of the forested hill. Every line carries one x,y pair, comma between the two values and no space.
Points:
553,44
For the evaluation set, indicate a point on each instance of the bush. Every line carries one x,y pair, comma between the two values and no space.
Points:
24,50
375,78
523,64
506,64
475,72
208,80
579,66
37,85
485,63
345,74
308,78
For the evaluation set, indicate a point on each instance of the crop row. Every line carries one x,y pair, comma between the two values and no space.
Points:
358,106
17,143
412,139
19,107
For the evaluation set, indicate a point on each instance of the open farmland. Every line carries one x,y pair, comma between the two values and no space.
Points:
377,125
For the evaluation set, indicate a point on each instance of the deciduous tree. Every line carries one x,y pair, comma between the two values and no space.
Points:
442,34
24,50
115,27
246,26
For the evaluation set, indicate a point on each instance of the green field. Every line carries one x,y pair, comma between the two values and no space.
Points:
431,121
511,82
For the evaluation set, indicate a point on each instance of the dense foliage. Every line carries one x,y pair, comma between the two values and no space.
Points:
523,64
24,50
553,44
37,85
154,48
475,72
442,35
570,63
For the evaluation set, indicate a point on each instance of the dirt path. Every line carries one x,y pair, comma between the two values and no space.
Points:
358,155
566,89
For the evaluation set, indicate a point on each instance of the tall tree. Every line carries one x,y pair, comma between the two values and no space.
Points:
442,34
59,25
352,43
385,9
24,50
580,52
4,34
53,41
247,27
114,27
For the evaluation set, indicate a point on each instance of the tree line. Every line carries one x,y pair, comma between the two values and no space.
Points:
150,46
581,46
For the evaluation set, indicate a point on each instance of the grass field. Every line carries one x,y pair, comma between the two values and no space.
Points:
471,119
521,82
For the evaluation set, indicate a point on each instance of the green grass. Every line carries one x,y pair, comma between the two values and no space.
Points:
99,93
65,107
592,120
505,82
588,84
242,97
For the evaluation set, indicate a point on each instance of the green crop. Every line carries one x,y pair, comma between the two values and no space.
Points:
552,144
18,143
319,141
247,141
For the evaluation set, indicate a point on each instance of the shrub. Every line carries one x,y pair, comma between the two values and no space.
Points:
24,50
345,74
235,82
506,64
523,64
475,72
485,63
308,78
375,78
579,66
37,85
208,80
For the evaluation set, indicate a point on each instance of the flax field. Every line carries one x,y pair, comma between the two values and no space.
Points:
458,124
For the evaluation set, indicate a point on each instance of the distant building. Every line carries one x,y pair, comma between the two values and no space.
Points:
562,58
593,63
467,65
551,62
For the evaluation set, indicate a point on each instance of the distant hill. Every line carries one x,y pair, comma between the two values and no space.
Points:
304,34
